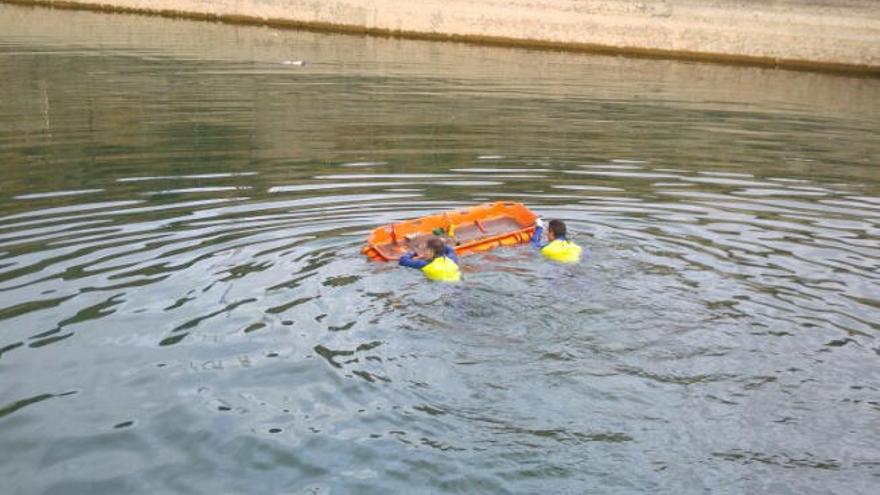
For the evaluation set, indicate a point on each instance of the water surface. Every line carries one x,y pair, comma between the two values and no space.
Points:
183,305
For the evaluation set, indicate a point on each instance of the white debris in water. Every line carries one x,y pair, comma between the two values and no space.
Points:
363,164
621,160
295,63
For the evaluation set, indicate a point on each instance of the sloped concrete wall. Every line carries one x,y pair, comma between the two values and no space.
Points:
835,34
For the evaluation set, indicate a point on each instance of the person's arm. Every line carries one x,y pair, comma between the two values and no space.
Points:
538,235
449,252
408,261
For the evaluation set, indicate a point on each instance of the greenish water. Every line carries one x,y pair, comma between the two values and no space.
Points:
184,308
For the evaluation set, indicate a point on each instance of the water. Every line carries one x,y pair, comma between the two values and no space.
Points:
185,309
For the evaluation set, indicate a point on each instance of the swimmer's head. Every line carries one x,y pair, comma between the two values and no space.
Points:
434,247
556,229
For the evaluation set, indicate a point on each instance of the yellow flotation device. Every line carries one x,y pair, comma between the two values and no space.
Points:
562,251
442,269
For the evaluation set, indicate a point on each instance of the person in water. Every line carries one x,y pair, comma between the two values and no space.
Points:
438,262
558,247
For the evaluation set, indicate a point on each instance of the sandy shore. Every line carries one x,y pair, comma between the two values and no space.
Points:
820,34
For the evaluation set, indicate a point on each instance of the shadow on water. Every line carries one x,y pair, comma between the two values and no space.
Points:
181,215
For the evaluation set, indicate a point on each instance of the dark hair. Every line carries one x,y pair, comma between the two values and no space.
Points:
557,227
435,244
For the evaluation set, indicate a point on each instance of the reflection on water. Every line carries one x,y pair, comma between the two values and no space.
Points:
184,305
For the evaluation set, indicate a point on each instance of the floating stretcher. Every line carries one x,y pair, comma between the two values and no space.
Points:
472,230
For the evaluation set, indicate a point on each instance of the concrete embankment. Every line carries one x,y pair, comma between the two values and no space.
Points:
811,34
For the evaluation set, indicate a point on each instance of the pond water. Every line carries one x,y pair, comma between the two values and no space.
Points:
184,306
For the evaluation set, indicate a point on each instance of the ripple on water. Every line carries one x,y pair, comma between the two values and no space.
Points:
184,306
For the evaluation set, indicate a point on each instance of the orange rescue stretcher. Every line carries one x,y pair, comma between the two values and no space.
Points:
472,230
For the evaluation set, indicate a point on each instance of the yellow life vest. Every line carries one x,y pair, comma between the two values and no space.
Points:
442,269
562,251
